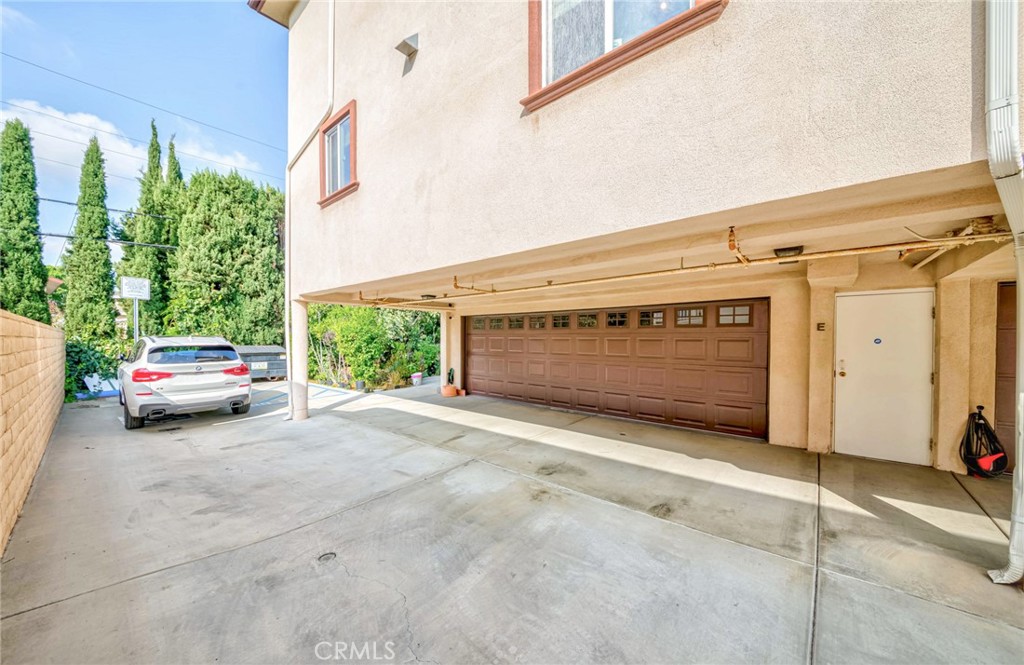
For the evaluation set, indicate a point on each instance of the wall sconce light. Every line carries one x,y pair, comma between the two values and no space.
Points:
409,46
785,252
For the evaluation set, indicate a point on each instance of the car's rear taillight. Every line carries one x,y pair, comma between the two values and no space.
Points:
241,370
148,375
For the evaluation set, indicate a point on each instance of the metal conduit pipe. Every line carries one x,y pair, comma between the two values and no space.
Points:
913,245
1002,122
937,243
328,109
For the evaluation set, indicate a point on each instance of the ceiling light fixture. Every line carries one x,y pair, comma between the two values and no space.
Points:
785,252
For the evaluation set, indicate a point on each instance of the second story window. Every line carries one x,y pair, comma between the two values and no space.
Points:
338,155
578,31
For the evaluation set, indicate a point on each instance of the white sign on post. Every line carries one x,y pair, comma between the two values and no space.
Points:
136,288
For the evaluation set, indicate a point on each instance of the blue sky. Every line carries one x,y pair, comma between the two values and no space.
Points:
218,62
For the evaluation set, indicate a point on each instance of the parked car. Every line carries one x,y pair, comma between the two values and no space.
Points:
265,362
173,375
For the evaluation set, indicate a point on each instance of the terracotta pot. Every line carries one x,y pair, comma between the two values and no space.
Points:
449,391
462,393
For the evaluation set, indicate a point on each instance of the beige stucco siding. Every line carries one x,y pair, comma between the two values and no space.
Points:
31,395
774,100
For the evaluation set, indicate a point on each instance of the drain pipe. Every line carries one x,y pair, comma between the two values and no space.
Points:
328,109
1002,119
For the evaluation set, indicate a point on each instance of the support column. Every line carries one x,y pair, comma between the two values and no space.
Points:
821,352
451,347
952,371
298,373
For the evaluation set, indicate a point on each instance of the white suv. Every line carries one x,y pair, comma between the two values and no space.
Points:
169,375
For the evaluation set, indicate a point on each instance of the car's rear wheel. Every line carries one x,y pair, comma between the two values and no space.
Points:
238,410
130,421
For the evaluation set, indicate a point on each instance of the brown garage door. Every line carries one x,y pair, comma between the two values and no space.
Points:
702,365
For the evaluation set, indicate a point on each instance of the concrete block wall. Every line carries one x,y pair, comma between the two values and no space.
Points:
31,395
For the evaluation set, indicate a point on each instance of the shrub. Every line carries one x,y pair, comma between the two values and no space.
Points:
85,358
382,347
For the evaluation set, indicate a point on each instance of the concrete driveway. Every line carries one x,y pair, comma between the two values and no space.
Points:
406,527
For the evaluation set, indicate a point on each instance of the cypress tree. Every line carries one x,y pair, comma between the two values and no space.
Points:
146,224
89,313
228,277
171,197
174,177
22,273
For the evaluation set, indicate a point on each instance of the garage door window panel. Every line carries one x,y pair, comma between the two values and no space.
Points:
690,317
734,315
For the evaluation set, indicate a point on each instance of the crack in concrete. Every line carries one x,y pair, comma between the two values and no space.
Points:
405,610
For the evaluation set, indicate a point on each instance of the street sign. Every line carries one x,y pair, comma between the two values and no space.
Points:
135,287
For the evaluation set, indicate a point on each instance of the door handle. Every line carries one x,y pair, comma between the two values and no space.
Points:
841,373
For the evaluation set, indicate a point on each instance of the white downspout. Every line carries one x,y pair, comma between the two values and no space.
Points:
329,108
1002,119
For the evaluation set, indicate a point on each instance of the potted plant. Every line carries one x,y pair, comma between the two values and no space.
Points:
449,389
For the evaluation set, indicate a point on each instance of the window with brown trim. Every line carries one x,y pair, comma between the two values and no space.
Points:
734,315
338,155
617,319
515,323
586,320
573,42
538,322
690,317
497,323
652,318
559,320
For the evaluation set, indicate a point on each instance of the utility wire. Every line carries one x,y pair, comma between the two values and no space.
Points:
106,240
112,175
74,218
126,138
139,101
127,212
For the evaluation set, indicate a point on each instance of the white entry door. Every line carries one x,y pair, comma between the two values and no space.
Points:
883,375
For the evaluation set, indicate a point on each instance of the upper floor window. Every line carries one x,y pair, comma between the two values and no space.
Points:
338,155
578,31
573,42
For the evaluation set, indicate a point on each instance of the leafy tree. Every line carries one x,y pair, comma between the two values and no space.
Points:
228,277
22,273
89,314
145,225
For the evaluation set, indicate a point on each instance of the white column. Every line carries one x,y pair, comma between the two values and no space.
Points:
298,373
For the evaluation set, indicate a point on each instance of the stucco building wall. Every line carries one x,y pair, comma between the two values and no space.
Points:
755,107
31,395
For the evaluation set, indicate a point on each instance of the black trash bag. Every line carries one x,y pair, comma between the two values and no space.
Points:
980,448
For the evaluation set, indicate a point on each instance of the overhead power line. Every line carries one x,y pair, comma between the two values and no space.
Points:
57,161
126,138
139,101
127,212
107,240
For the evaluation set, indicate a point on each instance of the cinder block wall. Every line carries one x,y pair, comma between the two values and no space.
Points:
31,395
